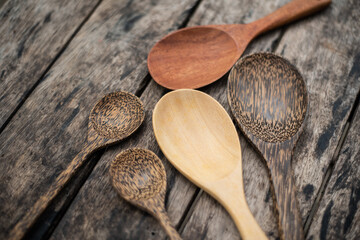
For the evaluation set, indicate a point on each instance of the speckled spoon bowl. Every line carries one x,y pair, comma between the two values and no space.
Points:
114,117
139,177
268,98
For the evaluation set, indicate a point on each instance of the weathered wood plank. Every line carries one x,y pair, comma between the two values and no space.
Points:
338,216
326,51
32,34
108,54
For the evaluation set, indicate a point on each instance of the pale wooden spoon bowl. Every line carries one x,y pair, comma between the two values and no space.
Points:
199,138
268,98
196,56
139,177
114,117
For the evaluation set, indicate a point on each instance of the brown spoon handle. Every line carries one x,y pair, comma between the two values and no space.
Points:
279,162
162,216
38,208
292,11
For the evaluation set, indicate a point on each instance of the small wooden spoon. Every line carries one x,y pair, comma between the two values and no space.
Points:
196,56
268,98
139,177
114,117
199,138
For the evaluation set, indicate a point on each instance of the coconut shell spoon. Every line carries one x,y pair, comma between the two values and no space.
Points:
139,177
113,118
199,138
268,98
196,56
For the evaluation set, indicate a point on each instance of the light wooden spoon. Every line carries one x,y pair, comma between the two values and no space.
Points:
139,176
268,98
196,56
198,137
114,117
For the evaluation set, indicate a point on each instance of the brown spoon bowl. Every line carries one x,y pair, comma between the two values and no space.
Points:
268,97
116,116
197,56
139,177
192,57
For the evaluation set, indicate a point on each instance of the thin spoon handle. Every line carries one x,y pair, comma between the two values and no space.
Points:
38,208
166,223
246,223
279,161
288,13
232,197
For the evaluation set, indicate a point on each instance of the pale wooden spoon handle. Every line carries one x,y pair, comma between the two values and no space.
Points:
292,11
232,197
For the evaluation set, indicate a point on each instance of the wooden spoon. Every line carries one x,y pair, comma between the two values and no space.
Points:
139,177
198,137
196,56
268,98
114,117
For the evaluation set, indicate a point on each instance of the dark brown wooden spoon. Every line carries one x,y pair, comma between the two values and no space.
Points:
114,117
139,177
196,56
268,98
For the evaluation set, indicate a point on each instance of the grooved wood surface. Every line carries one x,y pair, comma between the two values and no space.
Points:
32,33
108,54
338,216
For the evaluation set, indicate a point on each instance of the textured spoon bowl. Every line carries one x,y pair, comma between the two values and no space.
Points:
138,174
139,177
268,97
117,115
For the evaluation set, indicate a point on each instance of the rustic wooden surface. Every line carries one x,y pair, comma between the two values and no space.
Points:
338,216
89,49
33,33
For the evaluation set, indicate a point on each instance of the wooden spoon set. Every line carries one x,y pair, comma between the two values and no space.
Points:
267,97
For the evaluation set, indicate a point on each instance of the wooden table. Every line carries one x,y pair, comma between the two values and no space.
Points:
57,58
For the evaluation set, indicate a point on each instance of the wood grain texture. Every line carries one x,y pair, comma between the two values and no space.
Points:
338,216
32,33
139,176
268,98
116,116
197,56
325,50
198,137
101,58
